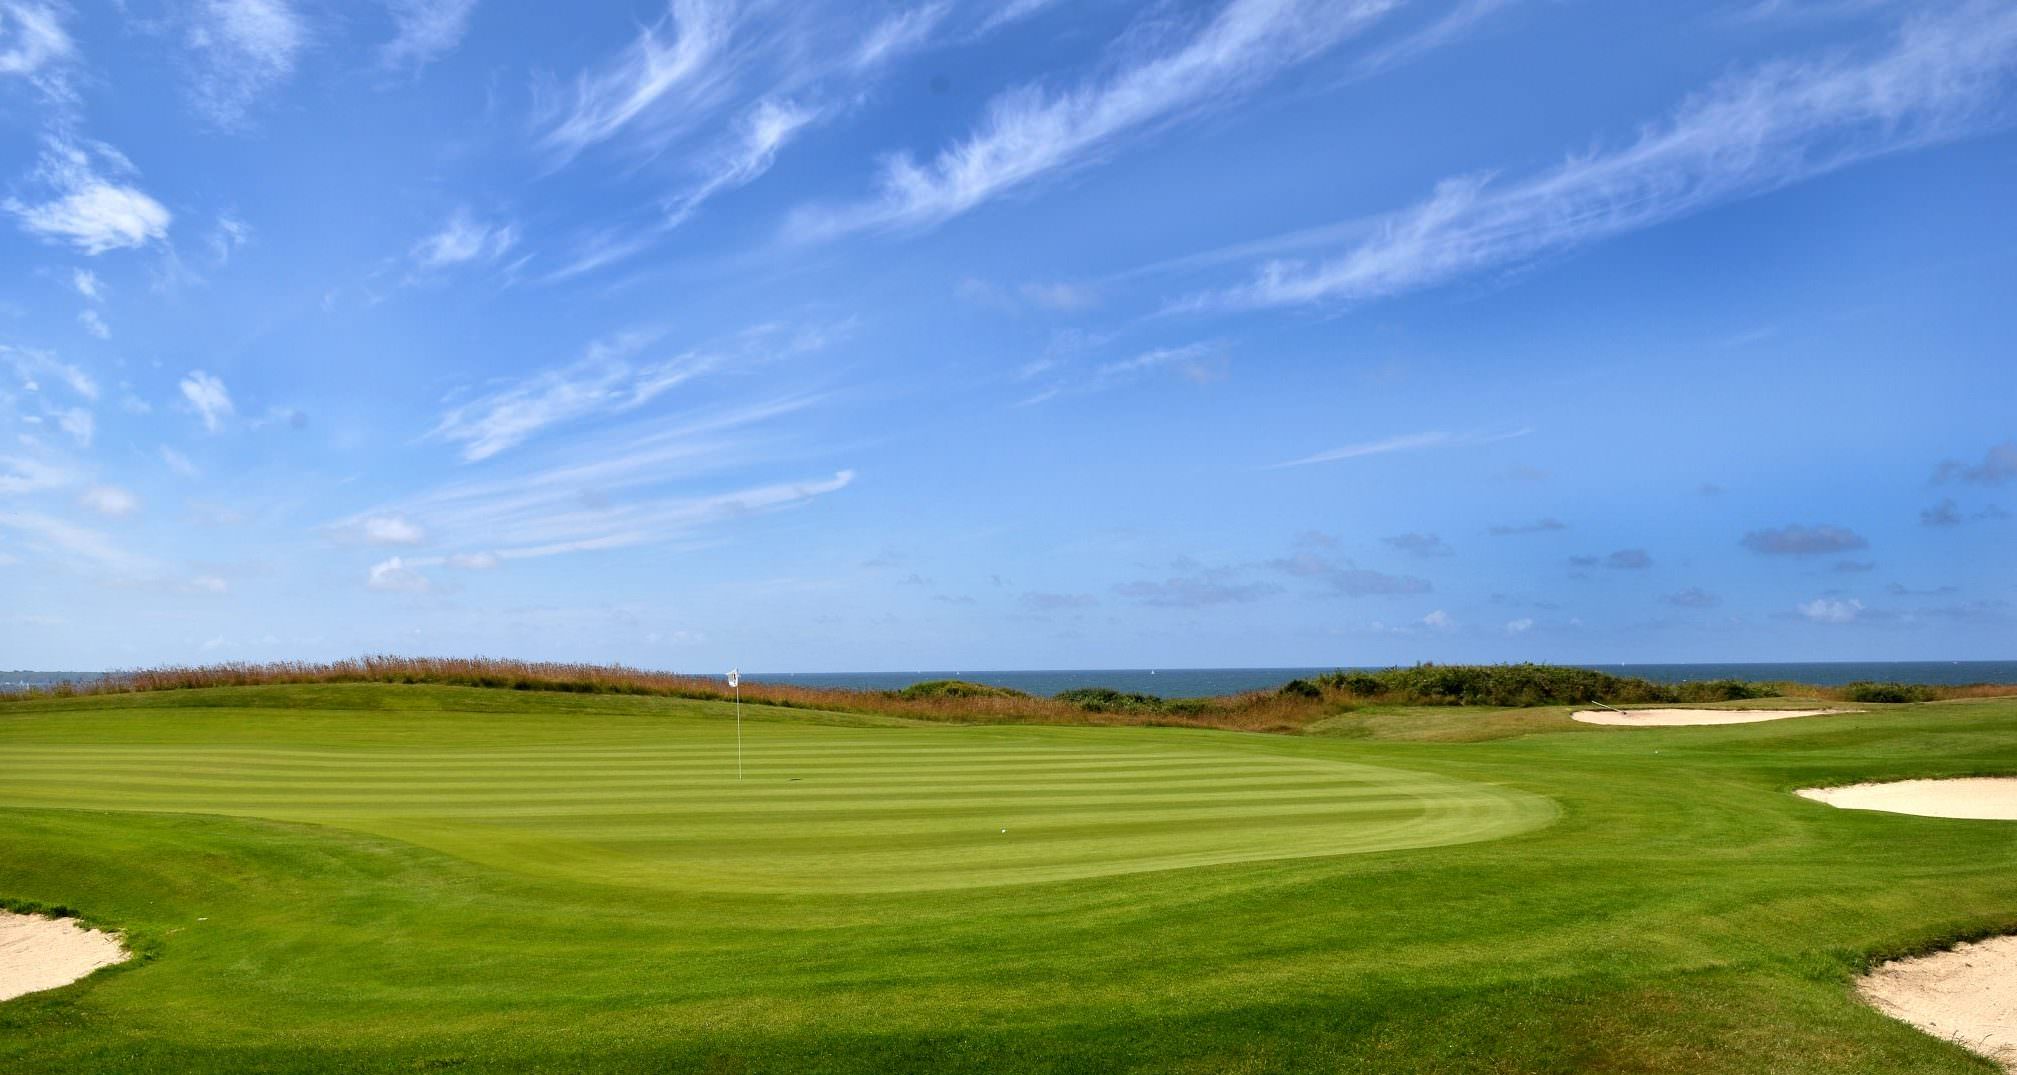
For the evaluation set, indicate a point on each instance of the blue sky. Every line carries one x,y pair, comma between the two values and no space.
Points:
992,335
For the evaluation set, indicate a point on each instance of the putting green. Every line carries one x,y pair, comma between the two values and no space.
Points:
657,803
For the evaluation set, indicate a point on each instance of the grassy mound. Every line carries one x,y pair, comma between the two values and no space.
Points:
955,688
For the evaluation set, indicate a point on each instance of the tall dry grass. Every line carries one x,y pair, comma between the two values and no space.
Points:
1255,711
1286,710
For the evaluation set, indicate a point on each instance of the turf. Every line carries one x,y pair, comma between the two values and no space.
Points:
417,878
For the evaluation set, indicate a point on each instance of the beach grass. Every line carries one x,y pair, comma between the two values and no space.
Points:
401,877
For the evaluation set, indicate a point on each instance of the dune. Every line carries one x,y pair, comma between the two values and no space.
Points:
39,953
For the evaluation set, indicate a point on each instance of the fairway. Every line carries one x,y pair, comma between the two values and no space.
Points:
819,808
400,878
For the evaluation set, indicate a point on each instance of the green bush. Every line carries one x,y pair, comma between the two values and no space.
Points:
1887,692
1524,685
1301,688
956,688
1108,700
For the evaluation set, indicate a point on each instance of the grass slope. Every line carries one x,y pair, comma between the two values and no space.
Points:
417,878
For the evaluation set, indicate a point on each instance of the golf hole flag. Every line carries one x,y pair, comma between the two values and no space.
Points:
734,678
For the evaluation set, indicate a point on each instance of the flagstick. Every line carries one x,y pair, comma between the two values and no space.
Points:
735,684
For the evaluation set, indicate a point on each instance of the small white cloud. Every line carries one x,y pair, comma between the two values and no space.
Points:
110,501
1831,610
1060,296
85,208
474,561
463,239
86,283
30,365
94,324
179,463
209,584
32,40
393,576
1438,619
1519,626
19,474
210,398
227,237
424,31
243,49
77,422
392,530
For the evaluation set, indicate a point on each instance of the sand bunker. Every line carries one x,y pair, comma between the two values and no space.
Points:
39,953
1990,798
1675,718
1967,995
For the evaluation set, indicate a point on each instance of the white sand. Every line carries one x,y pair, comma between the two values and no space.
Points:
1675,718
39,953
1992,798
1966,995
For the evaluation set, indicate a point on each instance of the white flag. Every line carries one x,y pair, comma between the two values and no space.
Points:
734,678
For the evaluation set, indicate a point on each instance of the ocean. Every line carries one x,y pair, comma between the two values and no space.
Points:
1205,682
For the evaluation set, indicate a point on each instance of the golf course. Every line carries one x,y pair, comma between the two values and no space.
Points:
413,877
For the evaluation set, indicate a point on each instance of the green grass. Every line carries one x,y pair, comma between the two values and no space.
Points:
438,878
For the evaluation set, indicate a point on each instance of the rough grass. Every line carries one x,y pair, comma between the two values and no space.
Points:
1295,707
419,877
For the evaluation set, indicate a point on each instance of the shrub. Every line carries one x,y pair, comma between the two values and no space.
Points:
1526,685
1109,700
956,688
1887,692
1301,688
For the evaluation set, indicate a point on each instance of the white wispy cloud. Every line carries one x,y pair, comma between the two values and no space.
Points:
1012,12
88,199
81,547
424,31
229,234
77,422
395,576
607,379
179,463
671,74
94,324
34,45
1944,76
631,486
210,398
1831,609
86,283
392,530
1031,132
1405,442
1452,25
110,501
761,133
20,474
900,33
612,377
32,366
463,238
241,50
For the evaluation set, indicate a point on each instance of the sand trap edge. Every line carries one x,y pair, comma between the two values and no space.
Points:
1696,718
1965,994
1961,798
39,953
